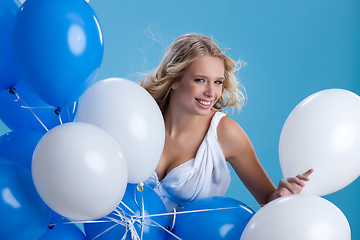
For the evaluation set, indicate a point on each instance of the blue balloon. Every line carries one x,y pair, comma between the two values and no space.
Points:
135,200
61,228
23,214
56,218
63,231
8,75
215,224
18,146
58,48
15,116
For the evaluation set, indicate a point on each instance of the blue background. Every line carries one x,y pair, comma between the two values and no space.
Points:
292,50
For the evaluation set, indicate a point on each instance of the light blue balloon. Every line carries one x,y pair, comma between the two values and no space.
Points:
58,48
8,75
216,224
23,214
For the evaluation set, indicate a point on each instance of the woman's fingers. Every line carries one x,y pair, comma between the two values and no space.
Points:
287,185
308,172
303,178
297,181
293,185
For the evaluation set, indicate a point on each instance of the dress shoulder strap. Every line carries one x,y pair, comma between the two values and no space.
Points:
215,122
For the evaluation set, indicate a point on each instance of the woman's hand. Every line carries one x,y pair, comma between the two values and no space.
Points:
292,185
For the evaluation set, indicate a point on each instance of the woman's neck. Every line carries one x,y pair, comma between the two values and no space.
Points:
178,122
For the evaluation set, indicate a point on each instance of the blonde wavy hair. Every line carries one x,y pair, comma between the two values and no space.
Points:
178,57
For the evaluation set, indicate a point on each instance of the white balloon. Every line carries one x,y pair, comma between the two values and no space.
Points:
298,217
79,171
323,133
132,117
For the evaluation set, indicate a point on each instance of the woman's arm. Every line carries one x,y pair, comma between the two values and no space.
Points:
240,153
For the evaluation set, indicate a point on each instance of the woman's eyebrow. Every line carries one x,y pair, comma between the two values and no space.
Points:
204,76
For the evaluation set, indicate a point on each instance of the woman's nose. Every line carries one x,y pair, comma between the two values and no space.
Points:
209,91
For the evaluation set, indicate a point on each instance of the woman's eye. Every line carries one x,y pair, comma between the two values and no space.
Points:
199,80
220,82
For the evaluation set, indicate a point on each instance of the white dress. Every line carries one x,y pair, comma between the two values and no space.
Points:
206,175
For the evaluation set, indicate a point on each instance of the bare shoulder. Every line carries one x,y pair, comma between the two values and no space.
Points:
232,137
239,152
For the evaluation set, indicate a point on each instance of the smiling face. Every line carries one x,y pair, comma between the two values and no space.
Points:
200,87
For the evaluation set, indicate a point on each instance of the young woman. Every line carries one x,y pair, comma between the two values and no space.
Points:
192,85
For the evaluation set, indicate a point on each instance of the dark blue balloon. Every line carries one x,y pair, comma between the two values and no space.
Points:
23,214
65,231
8,75
58,48
15,116
135,200
217,224
18,146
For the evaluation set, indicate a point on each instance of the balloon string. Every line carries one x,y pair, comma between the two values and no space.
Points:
155,215
141,220
142,214
193,211
36,107
68,113
105,231
57,112
12,91
77,222
74,106
165,229
134,234
143,217
129,221
173,220
128,207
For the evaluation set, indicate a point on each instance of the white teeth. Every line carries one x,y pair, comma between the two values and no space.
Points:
206,103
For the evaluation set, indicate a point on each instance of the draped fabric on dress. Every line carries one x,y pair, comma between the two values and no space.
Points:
206,175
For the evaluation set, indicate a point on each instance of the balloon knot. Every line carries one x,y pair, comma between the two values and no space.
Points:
12,90
140,187
57,111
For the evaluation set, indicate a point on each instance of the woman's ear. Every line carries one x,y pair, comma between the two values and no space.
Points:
174,85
